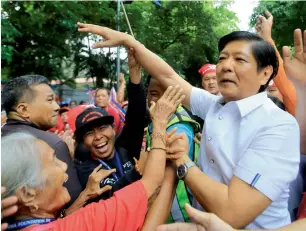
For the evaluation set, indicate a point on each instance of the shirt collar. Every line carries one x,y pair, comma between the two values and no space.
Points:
249,104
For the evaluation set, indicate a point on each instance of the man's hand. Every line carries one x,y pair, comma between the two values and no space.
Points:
111,37
202,222
264,26
167,104
93,185
296,68
8,207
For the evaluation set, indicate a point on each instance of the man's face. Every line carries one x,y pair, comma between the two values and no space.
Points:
273,91
102,98
237,71
100,140
43,110
209,83
64,117
155,91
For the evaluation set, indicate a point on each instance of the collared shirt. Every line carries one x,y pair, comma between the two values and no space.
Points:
255,141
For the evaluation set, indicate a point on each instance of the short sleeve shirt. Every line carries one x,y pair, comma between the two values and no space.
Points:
255,141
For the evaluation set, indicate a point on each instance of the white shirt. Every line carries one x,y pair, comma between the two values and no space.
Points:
255,141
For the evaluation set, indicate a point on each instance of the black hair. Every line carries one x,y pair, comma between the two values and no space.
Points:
98,89
263,51
277,102
20,88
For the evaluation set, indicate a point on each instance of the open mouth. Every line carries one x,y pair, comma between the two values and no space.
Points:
102,147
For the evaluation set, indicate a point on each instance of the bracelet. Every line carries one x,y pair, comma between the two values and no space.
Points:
158,135
159,148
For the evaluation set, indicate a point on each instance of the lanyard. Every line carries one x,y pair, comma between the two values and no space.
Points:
25,223
118,166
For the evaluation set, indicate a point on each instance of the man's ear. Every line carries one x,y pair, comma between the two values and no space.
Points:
23,110
27,197
266,74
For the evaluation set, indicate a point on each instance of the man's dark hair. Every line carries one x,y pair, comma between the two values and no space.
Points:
263,51
20,88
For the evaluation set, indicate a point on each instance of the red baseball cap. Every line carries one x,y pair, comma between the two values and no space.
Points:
207,68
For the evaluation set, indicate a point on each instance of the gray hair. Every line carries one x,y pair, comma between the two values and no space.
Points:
20,162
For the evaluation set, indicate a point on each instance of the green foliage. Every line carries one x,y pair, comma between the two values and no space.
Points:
41,36
288,15
184,33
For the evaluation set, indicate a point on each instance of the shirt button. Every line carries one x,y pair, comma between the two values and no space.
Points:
209,138
220,117
212,161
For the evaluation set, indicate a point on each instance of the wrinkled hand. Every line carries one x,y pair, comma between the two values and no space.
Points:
67,137
8,207
111,37
202,222
177,147
264,25
296,68
167,104
93,185
170,148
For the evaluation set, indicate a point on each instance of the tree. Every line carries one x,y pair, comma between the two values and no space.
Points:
41,36
185,33
288,15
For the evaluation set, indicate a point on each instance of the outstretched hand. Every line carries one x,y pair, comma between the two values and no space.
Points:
164,108
264,25
296,68
202,222
111,37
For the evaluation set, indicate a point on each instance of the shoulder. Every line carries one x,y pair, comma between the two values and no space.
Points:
277,117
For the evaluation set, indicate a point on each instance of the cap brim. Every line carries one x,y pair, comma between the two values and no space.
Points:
80,132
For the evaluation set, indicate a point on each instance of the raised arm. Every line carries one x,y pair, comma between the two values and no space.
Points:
132,132
152,64
210,222
296,71
160,210
160,112
121,89
286,88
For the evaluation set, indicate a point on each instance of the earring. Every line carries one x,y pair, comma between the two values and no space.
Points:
34,208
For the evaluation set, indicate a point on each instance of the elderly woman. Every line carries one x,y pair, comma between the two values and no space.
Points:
31,171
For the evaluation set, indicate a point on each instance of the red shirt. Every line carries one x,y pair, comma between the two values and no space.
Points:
126,210
113,112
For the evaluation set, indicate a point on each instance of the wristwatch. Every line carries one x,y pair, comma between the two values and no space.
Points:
182,170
